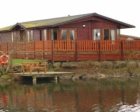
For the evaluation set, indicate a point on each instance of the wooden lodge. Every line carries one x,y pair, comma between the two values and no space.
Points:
71,38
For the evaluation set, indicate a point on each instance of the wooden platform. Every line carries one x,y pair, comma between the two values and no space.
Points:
36,75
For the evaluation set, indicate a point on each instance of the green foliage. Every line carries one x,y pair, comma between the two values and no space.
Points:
3,71
20,61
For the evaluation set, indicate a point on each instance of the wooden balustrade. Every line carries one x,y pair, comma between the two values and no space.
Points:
71,48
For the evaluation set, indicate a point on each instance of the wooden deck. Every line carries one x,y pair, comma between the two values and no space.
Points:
35,75
70,50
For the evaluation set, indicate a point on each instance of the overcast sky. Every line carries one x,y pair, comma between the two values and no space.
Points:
13,11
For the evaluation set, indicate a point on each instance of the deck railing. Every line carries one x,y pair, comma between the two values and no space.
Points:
75,50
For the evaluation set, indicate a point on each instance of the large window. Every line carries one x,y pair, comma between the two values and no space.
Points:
21,35
68,34
64,34
30,35
96,34
72,34
106,34
54,34
43,34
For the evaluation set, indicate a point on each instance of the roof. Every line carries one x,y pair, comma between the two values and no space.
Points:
61,20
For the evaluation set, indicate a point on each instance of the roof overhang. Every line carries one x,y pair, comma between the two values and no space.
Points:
17,26
120,23
76,18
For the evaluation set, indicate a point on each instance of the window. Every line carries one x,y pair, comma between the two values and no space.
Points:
15,36
54,34
21,35
30,35
64,34
72,34
112,34
40,35
118,32
106,34
68,34
96,34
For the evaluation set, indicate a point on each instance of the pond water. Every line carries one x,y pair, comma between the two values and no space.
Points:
82,96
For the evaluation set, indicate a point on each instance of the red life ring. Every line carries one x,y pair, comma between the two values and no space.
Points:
4,59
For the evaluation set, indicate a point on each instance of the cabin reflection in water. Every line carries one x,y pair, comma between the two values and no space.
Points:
70,97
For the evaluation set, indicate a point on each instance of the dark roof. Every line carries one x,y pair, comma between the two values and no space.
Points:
62,20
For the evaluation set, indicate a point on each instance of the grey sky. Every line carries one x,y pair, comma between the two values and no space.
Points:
13,11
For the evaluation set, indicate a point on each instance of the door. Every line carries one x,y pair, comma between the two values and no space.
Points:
68,34
106,34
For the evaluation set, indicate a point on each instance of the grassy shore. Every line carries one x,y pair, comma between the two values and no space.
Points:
20,61
107,68
88,69
102,69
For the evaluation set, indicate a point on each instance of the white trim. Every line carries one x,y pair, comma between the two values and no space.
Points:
32,34
112,34
96,34
28,36
12,36
45,34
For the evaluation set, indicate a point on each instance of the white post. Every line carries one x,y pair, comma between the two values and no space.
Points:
28,36
56,79
12,36
34,80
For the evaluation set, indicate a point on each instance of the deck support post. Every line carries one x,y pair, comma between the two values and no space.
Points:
122,50
56,79
43,49
76,51
52,52
34,50
7,47
99,51
34,80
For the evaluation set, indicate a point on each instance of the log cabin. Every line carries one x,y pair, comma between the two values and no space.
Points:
81,27
76,33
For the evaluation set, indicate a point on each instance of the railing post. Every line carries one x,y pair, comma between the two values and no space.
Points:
25,50
43,49
122,50
7,47
34,50
15,49
99,50
52,50
76,51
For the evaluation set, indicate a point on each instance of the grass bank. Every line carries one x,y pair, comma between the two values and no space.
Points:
90,69
102,69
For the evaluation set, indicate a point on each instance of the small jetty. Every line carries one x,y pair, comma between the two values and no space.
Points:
49,74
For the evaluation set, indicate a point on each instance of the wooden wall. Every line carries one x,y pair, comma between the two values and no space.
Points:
90,23
82,33
5,37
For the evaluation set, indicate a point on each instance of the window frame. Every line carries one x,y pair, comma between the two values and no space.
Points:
68,34
114,31
96,34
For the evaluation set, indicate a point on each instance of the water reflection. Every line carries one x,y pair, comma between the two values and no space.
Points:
94,96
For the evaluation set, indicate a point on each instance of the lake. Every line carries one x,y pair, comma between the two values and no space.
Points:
106,95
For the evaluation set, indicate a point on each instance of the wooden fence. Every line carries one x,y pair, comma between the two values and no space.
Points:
61,50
